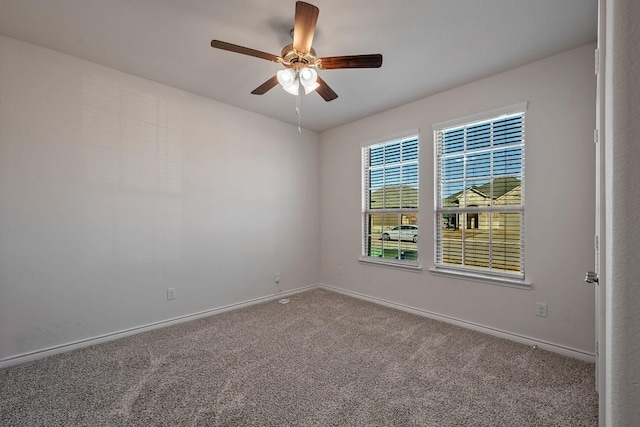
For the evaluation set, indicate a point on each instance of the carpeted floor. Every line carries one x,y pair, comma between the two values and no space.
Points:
324,359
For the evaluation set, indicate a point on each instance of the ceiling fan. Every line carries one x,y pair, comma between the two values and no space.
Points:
300,60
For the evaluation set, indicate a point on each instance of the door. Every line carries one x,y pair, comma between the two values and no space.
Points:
600,229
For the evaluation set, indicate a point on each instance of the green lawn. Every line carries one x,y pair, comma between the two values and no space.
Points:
501,247
392,253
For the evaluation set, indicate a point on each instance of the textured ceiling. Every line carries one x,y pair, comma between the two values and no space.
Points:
428,45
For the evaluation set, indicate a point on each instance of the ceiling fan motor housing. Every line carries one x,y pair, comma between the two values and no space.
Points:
294,59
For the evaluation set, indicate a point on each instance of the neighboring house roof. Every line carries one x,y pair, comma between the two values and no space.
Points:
479,192
501,186
510,197
453,199
392,194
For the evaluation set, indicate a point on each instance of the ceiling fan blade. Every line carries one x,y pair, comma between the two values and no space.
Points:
351,61
325,91
244,50
266,86
304,26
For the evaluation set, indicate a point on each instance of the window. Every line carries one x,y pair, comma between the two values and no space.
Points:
390,201
479,191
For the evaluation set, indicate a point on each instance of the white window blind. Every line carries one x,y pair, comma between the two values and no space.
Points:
479,191
390,201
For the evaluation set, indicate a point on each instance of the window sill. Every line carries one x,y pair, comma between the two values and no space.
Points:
476,277
415,268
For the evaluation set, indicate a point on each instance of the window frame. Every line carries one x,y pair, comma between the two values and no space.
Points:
498,276
408,264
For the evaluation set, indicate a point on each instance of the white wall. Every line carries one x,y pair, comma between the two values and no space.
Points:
114,188
622,184
559,217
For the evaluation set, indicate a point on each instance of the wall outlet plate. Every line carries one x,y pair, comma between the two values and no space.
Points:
171,293
541,309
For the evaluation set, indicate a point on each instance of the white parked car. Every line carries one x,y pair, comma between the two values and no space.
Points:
401,232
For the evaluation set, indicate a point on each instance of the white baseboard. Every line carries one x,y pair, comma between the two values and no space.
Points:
50,351
38,354
544,345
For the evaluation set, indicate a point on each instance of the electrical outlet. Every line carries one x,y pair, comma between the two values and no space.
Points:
276,278
339,271
541,309
171,293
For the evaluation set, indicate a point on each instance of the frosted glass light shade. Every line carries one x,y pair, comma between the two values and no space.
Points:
288,80
292,88
308,77
311,88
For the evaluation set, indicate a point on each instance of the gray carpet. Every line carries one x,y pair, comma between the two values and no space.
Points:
322,360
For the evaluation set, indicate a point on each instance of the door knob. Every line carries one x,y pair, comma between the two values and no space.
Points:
591,277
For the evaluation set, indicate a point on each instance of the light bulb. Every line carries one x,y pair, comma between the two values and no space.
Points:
305,74
308,77
288,79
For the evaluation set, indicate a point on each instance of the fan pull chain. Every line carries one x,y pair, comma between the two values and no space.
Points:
298,111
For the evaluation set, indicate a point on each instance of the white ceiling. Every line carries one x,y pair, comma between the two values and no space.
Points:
428,45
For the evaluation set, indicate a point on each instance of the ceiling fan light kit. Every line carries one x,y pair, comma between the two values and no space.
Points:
291,80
